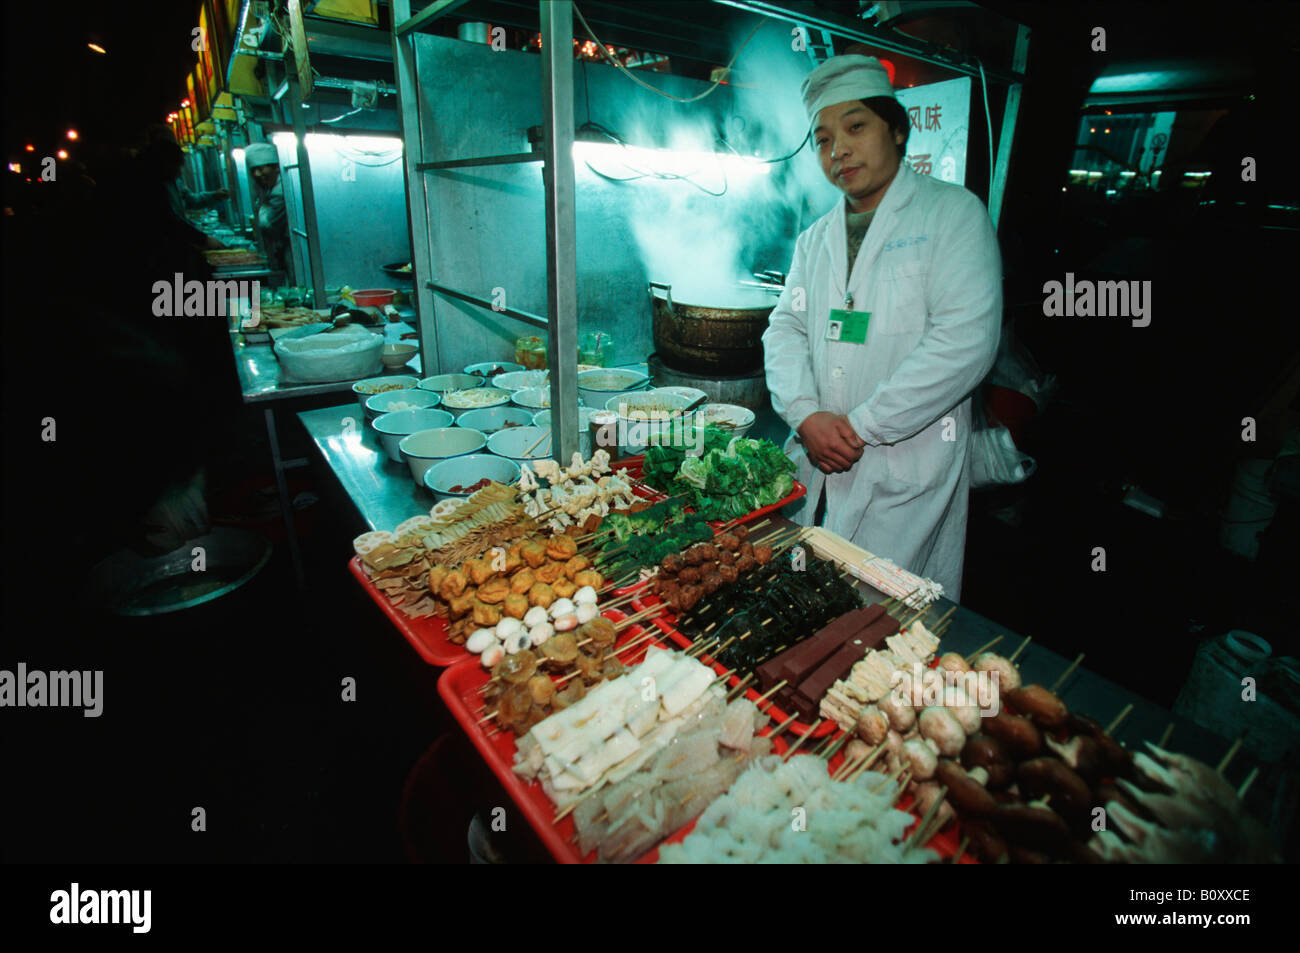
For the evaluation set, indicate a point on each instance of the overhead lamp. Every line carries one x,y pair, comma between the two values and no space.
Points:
62,153
72,134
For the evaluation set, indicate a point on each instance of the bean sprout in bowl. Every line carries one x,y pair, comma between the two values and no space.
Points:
474,398
409,398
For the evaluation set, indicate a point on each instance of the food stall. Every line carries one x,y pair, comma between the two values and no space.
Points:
548,579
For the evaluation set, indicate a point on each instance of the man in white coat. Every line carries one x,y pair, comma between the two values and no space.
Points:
872,353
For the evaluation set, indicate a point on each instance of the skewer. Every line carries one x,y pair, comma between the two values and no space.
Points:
848,766
961,848
1023,645
984,648
723,677
890,780
942,619
917,840
867,762
1245,785
780,729
1164,739
1067,673
1232,753
844,738
774,689
1118,718
739,688
801,739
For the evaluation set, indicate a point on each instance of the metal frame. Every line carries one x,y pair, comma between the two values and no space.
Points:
556,22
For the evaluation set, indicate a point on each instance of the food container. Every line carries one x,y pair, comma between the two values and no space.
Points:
690,393
441,383
466,471
531,352
422,450
391,401
514,442
378,385
719,337
595,387
491,419
394,426
490,369
398,354
543,419
596,347
602,431
732,417
373,297
343,354
458,402
650,416
520,380
534,398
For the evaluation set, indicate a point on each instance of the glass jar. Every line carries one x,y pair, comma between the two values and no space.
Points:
531,353
596,348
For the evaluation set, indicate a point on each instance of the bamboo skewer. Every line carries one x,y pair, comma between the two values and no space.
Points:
1023,645
1164,739
923,832
844,738
961,848
942,619
1232,753
1119,718
891,779
1245,785
781,728
866,762
772,691
984,648
739,688
801,739
1067,673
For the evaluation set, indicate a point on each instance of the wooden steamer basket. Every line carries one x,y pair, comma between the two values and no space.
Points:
707,340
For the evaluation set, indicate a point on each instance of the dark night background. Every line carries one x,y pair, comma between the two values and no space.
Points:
237,709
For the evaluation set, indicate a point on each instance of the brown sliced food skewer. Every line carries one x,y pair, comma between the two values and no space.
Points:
781,728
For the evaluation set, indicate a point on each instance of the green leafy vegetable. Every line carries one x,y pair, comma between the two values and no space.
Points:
732,477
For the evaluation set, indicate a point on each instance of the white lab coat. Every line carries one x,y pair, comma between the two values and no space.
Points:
931,276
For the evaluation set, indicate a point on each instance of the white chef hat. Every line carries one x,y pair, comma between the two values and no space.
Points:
841,79
261,153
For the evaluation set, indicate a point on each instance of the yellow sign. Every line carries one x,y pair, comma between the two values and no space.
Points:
355,11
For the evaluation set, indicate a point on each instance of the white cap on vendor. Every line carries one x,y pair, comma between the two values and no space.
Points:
259,154
841,79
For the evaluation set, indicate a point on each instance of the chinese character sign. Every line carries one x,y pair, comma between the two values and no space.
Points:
939,117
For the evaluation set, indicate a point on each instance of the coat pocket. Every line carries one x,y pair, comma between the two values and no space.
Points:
900,307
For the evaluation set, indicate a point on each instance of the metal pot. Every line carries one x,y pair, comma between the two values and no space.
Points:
706,340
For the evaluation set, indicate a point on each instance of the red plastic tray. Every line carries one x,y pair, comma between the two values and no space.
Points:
459,686
428,636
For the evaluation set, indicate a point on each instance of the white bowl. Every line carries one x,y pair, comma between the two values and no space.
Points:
402,423
457,402
398,354
364,389
485,368
690,393
491,419
519,380
422,450
595,386
543,419
513,442
445,382
739,420
412,396
466,471
638,430
534,398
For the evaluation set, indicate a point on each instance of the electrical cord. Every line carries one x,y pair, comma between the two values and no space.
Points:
640,82
988,121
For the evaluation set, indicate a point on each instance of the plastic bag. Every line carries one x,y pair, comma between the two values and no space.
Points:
995,459
345,354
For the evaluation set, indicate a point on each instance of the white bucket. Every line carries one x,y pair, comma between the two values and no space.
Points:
1250,509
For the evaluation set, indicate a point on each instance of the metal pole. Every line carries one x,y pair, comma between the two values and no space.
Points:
307,189
997,192
417,207
561,223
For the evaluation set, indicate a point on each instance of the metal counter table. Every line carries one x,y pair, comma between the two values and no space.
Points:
260,382
384,495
